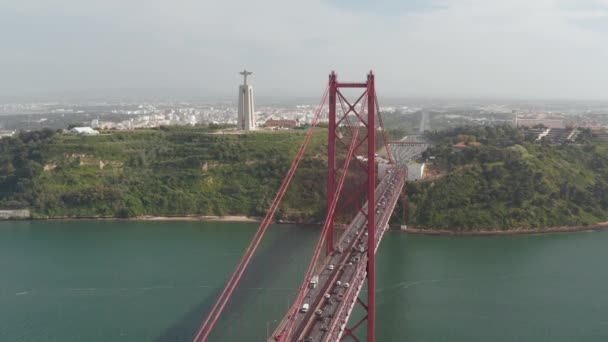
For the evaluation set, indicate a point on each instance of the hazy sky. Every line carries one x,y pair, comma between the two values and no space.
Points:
431,48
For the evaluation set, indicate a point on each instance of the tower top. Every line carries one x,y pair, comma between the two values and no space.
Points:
245,73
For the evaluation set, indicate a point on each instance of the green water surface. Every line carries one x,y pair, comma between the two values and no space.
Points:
154,281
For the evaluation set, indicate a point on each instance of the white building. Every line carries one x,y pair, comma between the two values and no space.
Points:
84,131
246,115
415,171
6,134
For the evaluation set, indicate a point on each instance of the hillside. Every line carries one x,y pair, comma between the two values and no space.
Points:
506,182
164,172
499,181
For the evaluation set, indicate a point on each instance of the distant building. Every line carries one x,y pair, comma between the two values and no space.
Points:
552,135
282,123
549,123
83,131
461,146
601,134
415,171
6,134
246,115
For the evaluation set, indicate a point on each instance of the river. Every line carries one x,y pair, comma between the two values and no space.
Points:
154,281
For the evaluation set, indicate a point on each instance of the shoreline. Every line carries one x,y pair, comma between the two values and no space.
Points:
200,218
521,231
185,218
250,219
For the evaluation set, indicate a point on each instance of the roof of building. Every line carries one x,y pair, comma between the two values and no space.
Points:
549,123
462,144
83,130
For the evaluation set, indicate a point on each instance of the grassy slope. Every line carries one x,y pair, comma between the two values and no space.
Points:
175,171
511,183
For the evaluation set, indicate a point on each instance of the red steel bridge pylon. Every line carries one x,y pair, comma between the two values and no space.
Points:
345,145
367,97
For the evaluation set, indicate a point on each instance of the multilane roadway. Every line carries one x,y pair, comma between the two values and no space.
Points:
338,271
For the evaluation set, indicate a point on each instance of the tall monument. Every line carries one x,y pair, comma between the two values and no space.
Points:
246,118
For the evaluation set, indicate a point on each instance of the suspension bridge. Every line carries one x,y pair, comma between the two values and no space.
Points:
358,198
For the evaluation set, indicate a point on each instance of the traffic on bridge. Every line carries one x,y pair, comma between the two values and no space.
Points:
335,287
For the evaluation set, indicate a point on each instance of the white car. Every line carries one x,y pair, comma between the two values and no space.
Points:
330,267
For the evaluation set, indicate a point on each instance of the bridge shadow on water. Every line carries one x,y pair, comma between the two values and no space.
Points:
264,269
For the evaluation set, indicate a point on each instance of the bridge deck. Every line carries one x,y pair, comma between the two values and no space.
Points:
330,303
405,152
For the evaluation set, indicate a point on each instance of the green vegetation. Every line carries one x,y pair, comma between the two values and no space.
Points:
165,172
499,181
507,182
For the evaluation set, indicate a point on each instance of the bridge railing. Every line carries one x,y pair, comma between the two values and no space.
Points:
339,322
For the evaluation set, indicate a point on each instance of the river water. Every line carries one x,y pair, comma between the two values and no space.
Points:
154,281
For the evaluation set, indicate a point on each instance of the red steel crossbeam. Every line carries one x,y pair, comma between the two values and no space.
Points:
362,304
351,331
348,332
352,107
209,323
352,85
357,161
341,141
